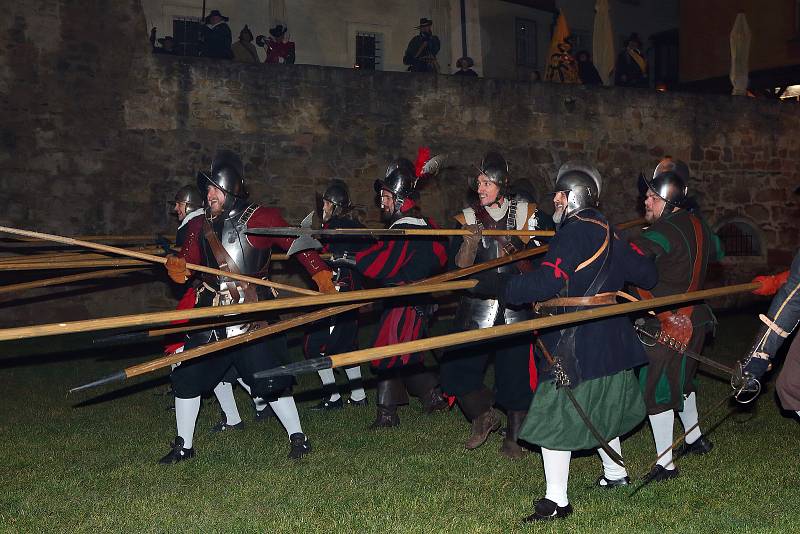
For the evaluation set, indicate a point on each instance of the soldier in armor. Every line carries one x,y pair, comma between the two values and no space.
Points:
339,333
779,322
188,205
462,369
682,246
218,240
398,261
592,369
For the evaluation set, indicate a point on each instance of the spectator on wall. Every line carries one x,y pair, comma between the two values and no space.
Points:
421,51
631,67
465,65
587,72
167,46
244,50
279,48
216,37
562,67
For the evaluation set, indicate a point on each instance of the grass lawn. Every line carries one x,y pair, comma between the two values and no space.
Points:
87,463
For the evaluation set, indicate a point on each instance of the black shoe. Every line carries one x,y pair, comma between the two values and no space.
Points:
607,483
362,402
327,405
700,446
659,474
300,446
547,510
178,453
222,426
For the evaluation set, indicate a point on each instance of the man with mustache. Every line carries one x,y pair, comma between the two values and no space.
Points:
463,368
218,240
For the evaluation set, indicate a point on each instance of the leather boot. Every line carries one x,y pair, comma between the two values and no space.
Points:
477,407
425,386
511,449
386,417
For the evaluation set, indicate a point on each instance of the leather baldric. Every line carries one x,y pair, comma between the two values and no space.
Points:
227,264
508,245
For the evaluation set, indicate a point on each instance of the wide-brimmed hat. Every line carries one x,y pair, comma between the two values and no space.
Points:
215,13
466,62
166,38
278,31
423,22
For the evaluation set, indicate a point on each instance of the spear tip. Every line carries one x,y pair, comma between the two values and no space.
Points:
119,376
296,368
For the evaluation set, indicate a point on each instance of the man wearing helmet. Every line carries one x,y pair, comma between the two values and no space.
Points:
462,369
188,205
584,266
339,333
218,240
399,261
682,246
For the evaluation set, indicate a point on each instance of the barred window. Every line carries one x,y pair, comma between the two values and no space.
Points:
369,51
186,34
739,239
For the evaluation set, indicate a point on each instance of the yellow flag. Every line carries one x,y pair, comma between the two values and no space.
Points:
561,66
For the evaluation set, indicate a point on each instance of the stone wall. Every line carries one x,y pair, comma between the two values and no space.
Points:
98,134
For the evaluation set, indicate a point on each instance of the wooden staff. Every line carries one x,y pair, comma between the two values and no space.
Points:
143,319
65,280
348,359
436,232
166,361
155,259
73,264
148,238
70,256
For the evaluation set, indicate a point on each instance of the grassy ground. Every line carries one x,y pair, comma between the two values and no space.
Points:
88,463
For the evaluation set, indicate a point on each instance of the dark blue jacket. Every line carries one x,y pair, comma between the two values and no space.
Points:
605,346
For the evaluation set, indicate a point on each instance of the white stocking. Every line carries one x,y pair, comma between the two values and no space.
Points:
286,411
689,418
186,411
556,474
662,424
354,373
224,393
611,469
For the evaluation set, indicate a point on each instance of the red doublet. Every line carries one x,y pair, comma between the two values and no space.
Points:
262,217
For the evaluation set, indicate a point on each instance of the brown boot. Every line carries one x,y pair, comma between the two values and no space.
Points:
482,426
511,448
386,417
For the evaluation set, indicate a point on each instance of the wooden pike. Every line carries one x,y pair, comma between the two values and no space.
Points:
153,259
438,232
13,288
282,326
143,319
70,256
365,355
146,238
165,361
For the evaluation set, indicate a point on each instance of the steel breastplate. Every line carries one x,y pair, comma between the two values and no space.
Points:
249,259
490,248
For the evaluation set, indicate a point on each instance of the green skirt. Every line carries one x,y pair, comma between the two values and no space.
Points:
614,405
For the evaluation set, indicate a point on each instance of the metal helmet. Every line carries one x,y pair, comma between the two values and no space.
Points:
495,167
400,180
670,179
582,184
227,174
523,189
191,196
337,194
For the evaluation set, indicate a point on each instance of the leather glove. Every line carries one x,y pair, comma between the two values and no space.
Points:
176,269
324,282
469,248
491,285
770,284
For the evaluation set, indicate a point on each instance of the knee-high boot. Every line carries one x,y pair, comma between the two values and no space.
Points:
390,393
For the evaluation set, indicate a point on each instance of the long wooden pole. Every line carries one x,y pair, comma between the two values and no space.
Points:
147,238
13,288
396,232
360,356
165,361
31,264
70,256
154,259
143,319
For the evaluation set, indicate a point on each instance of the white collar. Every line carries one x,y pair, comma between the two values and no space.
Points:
497,212
409,220
191,215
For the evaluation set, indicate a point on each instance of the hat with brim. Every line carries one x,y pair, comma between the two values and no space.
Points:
465,62
215,13
165,39
423,22
278,31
